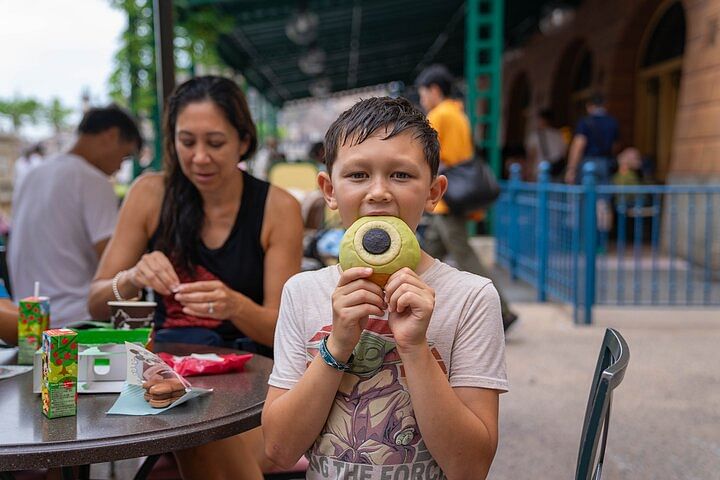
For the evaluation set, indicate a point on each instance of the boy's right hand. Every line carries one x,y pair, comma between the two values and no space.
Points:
353,301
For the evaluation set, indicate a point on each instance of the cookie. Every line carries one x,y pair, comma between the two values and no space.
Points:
385,244
160,403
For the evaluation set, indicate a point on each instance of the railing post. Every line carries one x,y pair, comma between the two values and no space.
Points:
589,238
542,232
513,223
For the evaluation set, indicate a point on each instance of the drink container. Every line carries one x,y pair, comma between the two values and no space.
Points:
33,320
59,373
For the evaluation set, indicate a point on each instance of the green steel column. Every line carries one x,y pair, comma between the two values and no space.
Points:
483,72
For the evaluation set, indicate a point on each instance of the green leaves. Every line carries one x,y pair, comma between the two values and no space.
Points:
30,111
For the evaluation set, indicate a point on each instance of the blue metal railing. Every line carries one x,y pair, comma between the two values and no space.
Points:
595,244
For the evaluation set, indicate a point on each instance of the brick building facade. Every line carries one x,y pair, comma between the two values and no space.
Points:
657,63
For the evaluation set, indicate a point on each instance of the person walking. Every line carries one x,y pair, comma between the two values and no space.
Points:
446,232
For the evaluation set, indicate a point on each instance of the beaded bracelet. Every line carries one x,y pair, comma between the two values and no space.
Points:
330,360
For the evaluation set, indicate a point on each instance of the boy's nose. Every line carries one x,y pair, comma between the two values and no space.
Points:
379,192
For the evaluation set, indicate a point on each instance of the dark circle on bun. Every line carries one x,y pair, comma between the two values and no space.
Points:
376,241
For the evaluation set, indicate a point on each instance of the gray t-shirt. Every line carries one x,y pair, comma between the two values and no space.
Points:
371,431
60,211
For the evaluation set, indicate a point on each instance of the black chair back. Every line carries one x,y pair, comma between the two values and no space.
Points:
609,372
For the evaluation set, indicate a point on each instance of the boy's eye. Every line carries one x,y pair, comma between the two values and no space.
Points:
402,175
357,175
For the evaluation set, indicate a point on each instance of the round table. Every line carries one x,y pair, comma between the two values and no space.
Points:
29,440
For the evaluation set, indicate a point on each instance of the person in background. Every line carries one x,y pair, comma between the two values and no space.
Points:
595,140
32,157
446,232
546,144
265,158
8,317
64,213
214,243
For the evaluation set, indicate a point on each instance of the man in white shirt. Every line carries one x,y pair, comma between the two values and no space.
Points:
546,143
64,213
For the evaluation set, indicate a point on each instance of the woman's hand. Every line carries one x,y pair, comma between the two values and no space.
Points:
353,301
154,270
209,299
411,303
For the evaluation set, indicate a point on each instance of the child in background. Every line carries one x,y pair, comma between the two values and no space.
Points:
409,377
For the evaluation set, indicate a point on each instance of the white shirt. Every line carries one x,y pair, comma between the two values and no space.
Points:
554,147
60,211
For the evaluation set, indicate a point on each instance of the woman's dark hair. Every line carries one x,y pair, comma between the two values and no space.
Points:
394,115
182,217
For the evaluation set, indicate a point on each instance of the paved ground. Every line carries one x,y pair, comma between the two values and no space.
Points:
666,413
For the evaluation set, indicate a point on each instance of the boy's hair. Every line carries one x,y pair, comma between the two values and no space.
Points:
436,74
99,119
366,117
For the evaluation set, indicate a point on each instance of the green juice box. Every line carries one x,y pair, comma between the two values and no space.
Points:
33,320
59,372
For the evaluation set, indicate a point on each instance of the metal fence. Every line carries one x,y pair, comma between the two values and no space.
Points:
595,244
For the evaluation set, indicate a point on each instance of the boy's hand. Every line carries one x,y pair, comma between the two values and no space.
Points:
411,303
353,301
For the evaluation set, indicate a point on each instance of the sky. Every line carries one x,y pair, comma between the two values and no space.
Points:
57,48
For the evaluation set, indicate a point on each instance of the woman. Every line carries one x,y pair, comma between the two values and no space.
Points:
214,243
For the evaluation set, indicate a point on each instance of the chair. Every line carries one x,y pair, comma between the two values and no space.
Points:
299,178
609,372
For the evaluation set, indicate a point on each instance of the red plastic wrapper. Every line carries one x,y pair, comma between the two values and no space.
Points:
206,364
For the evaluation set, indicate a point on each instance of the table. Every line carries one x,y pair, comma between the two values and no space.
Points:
29,440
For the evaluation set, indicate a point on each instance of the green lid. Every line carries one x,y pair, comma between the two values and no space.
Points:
96,336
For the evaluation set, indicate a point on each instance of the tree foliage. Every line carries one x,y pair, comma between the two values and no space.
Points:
30,111
133,80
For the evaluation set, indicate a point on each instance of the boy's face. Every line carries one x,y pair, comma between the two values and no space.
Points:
382,177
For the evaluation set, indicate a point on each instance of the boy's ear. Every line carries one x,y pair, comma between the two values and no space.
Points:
437,190
327,189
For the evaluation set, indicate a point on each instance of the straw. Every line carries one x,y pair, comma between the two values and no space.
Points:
37,289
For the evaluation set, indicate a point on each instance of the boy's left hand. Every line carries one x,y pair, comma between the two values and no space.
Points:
410,303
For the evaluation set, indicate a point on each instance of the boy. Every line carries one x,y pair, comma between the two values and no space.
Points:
411,393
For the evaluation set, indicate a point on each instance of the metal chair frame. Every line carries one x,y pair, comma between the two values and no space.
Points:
609,373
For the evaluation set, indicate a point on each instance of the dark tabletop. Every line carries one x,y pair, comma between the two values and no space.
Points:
30,440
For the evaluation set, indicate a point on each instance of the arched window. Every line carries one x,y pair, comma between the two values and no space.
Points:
658,77
582,82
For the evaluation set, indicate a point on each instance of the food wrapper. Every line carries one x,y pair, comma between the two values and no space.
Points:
206,363
143,366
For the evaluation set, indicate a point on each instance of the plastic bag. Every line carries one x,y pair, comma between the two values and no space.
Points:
206,364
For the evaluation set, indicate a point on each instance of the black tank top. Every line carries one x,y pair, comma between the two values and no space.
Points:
239,262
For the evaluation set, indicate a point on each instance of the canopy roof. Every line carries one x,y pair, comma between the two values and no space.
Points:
364,42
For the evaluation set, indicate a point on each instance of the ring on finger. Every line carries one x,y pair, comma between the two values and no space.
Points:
211,309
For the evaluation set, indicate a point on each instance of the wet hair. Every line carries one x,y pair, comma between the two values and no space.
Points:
436,74
391,115
99,119
182,215
317,152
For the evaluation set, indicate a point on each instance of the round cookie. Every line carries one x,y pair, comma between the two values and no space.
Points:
385,244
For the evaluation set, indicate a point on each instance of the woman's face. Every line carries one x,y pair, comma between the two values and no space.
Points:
208,146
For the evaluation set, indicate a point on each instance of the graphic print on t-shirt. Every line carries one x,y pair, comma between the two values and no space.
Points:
371,431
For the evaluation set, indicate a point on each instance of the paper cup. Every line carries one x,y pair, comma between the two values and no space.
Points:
129,315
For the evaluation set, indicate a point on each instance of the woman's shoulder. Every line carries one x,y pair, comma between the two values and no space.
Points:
279,200
147,190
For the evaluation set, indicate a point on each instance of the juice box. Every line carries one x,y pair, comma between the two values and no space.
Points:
33,320
59,372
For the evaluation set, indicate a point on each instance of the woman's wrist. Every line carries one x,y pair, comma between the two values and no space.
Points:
125,286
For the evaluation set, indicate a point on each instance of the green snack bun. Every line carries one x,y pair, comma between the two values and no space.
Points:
385,244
